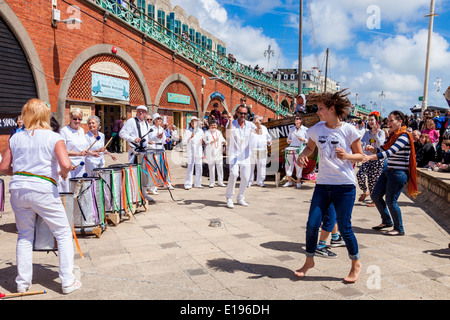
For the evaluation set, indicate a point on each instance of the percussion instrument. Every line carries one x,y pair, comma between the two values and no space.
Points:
86,205
155,168
43,237
132,187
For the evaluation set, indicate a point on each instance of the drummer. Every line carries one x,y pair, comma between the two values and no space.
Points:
97,140
77,147
258,146
32,158
193,139
298,135
133,131
156,140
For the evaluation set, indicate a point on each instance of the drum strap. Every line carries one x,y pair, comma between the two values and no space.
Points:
28,174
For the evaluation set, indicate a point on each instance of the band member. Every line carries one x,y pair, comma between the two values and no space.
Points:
296,139
156,141
77,146
33,158
258,145
240,131
193,139
133,131
214,141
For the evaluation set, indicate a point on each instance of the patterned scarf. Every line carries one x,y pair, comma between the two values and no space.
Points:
413,190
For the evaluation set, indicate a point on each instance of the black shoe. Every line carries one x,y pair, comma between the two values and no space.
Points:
339,242
324,252
382,226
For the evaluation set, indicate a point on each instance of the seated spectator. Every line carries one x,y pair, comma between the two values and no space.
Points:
443,158
426,153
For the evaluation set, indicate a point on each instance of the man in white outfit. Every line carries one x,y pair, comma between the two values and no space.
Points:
239,132
258,145
133,131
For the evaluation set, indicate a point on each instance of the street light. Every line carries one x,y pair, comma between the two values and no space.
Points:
382,95
268,53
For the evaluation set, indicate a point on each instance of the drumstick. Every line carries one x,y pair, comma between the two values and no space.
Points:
109,142
12,295
96,139
81,164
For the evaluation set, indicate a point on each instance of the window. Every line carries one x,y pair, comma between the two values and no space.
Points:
292,76
192,34
141,5
184,28
177,27
304,76
151,11
209,44
198,38
285,77
161,18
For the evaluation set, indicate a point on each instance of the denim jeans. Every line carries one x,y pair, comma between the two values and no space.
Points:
342,197
390,183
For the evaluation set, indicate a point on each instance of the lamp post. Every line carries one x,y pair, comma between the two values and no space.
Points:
427,62
269,52
382,95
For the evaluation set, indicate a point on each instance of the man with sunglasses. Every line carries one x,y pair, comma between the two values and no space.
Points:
239,133
134,130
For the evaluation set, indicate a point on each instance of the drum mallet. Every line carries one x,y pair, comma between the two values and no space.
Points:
13,295
96,139
81,164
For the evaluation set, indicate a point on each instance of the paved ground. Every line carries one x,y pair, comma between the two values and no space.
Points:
173,251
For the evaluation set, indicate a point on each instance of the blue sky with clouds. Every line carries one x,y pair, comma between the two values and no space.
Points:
375,45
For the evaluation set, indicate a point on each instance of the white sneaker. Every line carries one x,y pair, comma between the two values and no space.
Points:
187,187
211,185
152,191
262,185
221,184
287,184
23,289
299,185
74,286
242,202
230,203
249,184
171,187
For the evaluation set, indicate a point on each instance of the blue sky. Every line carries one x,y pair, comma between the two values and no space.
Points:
375,45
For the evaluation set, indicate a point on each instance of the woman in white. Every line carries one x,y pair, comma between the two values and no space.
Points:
97,140
214,154
296,139
76,145
193,139
258,145
32,158
156,141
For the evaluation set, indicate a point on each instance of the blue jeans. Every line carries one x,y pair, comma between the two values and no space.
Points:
390,183
342,197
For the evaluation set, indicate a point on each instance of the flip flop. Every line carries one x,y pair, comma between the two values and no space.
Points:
382,226
362,197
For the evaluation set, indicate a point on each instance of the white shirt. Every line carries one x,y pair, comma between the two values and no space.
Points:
261,141
331,169
130,131
153,136
214,145
34,152
295,134
194,145
97,145
239,148
75,141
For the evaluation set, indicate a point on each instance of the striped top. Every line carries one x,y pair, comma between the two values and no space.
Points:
398,153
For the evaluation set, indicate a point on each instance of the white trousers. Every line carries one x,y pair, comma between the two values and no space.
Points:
291,163
26,204
190,174
241,170
260,165
213,165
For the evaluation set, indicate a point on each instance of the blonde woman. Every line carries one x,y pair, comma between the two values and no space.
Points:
35,154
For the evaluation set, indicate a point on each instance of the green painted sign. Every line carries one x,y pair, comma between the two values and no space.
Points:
178,98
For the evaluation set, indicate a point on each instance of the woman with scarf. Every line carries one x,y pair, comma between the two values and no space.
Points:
400,170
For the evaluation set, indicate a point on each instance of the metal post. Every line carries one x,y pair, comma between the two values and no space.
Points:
300,49
427,63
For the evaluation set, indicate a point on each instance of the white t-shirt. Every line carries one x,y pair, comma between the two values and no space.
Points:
96,161
34,152
295,134
331,169
214,146
194,145
261,141
239,149
153,136
75,141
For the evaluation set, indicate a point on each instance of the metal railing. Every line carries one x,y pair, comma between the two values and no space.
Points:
238,75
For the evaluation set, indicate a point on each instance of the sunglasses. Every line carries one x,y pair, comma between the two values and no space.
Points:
242,113
77,119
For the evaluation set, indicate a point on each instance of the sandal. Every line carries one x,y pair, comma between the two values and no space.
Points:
363,196
394,233
372,204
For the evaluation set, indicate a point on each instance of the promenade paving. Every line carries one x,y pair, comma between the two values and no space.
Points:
195,248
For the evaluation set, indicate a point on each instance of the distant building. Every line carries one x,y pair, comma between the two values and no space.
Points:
312,80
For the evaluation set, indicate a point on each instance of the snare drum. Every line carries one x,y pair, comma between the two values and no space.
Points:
43,237
133,184
155,170
111,182
88,212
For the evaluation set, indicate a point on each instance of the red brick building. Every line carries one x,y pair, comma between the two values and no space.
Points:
60,64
